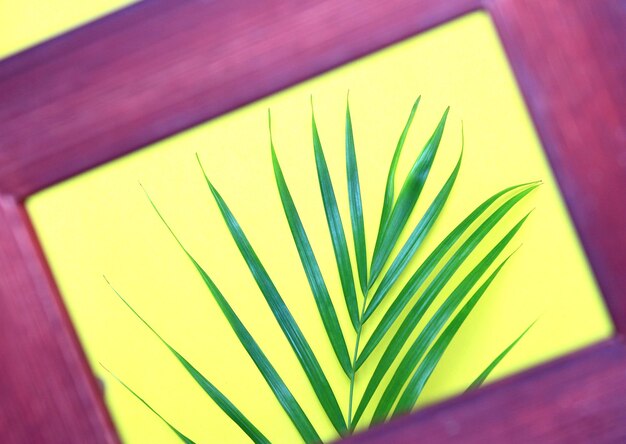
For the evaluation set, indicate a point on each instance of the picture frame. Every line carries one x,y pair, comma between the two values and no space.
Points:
159,67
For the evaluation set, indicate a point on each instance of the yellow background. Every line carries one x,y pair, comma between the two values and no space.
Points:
24,23
100,223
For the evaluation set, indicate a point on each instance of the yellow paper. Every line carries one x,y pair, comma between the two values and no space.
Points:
101,223
24,23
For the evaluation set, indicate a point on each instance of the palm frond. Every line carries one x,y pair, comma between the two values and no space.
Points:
283,316
269,373
407,198
311,267
423,303
389,196
425,352
426,368
434,326
413,243
422,273
335,227
222,401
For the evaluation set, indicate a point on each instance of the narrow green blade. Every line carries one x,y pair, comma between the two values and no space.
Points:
284,396
217,396
335,227
269,373
427,366
311,267
356,207
422,273
414,241
481,378
423,303
182,437
283,316
434,326
391,176
410,192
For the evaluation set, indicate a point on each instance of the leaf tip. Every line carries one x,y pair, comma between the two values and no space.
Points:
523,219
105,368
269,125
532,185
199,162
514,251
206,177
143,188
442,122
462,133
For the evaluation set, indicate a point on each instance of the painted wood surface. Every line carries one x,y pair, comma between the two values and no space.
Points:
159,67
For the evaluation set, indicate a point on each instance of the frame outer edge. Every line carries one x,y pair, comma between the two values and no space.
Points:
576,397
47,391
569,57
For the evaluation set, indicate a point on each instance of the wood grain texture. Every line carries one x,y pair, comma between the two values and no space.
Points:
570,60
159,67
125,82
580,398
47,392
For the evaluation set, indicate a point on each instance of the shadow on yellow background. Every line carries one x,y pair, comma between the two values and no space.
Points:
100,223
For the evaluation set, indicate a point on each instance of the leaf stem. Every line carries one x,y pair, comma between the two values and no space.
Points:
354,359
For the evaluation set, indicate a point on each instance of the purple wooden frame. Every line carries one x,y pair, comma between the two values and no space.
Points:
159,67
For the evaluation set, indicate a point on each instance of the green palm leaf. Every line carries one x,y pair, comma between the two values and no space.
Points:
356,207
283,316
423,303
485,373
426,368
431,262
425,352
217,396
311,268
435,324
391,176
410,192
412,244
269,373
422,273
335,227
182,437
